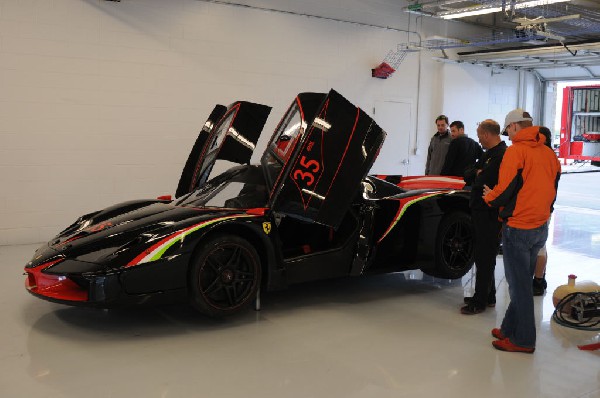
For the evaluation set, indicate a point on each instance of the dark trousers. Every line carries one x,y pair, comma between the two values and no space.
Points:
487,231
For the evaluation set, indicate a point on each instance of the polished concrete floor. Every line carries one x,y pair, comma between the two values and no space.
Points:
397,335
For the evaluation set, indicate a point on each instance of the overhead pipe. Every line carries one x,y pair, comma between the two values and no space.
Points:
300,14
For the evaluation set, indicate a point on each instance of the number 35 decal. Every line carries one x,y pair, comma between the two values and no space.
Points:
305,174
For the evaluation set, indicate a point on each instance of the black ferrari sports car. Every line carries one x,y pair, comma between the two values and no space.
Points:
308,211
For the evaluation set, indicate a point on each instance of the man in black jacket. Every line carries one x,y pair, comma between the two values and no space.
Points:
485,219
462,153
539,276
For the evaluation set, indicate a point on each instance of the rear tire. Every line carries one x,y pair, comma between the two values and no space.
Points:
454,246
225,276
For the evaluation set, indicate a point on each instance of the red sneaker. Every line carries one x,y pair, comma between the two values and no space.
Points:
506,345
497,333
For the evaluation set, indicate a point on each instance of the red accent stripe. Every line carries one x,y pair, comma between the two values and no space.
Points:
258,211
70,240
401,204
345,150
425,182
53,286
144,253
589,347
149,250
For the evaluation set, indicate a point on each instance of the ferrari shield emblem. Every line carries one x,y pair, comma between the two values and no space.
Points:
267,227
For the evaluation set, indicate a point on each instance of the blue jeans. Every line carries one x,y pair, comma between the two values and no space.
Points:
520,249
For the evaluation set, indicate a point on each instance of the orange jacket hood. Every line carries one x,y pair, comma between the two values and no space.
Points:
530,136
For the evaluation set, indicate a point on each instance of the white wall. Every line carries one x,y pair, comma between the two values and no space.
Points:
474,93
100,101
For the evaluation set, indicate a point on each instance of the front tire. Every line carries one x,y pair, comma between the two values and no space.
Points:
225,276
454,246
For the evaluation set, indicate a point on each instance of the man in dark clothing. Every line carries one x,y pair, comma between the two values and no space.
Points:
438,147
539,276
485,219
462,153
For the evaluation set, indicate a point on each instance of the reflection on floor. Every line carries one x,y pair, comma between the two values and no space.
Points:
395,335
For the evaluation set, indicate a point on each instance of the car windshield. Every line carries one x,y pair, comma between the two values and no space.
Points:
240,187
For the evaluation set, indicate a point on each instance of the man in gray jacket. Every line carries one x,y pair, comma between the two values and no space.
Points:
438,147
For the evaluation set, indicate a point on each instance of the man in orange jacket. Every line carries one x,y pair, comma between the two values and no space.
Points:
525,194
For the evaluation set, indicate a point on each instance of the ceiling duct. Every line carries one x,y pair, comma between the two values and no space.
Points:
553,40
519,21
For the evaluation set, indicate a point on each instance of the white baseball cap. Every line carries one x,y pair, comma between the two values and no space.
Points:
514,116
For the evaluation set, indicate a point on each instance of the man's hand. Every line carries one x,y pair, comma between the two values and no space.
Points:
486,190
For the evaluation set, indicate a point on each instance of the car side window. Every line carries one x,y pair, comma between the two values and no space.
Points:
221,133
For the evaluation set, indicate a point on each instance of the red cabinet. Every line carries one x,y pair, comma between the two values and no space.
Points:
580,123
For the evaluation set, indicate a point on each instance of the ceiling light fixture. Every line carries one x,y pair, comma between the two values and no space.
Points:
480,10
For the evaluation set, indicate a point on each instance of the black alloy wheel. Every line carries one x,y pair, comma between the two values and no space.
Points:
225,276
454,254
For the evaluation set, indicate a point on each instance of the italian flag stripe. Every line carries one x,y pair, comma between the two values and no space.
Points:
402,209
156,251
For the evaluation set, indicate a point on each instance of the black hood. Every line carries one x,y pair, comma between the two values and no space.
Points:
100,243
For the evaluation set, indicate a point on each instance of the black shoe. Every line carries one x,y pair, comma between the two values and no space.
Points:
471,309
539,286
491,301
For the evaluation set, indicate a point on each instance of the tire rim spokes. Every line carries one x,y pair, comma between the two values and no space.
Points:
227,276
457,245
